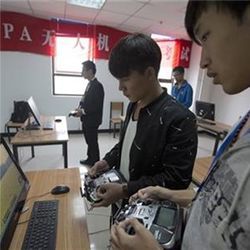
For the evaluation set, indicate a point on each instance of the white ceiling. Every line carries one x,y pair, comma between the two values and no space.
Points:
162,17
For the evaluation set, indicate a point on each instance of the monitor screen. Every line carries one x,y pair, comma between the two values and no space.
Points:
14,187
34,110
205,110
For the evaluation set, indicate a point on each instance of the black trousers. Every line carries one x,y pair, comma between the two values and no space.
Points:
91,138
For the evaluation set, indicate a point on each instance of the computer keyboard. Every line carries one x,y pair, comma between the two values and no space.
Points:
42,227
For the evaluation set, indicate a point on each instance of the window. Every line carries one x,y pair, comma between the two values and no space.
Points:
67,65
165,75
165,72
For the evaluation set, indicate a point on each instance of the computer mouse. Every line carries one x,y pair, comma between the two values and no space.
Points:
61,189
58,120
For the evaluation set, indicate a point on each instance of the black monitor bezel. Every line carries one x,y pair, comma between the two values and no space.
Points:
209,105
37,119
8,234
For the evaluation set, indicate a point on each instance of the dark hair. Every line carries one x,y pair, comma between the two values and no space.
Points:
89,65
195,8
134,52
179,69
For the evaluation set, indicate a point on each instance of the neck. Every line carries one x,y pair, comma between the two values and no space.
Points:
91,78
152,94
180,82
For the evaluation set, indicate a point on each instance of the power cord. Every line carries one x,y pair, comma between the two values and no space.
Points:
37,196
25,209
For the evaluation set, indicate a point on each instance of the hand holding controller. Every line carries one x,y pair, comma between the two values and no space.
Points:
91,185
164,219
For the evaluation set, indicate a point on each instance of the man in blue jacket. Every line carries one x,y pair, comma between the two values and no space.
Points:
181,90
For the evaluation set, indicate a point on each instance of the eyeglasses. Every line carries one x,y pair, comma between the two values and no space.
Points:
176,74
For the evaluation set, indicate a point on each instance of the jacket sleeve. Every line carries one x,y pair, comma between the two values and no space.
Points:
188,97
113,156
175,168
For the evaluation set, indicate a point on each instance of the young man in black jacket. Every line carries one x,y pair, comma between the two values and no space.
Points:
90,110
159,138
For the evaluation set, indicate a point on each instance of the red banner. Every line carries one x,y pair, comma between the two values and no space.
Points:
175,52
20,32
25,33
182,53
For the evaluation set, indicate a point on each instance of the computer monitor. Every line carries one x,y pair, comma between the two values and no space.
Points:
205,110
14,187
34,111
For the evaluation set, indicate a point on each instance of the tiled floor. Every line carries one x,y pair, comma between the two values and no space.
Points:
48,157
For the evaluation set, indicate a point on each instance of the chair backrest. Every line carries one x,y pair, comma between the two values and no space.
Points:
116,109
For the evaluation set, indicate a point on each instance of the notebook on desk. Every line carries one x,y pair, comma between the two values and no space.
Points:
47,123
14,187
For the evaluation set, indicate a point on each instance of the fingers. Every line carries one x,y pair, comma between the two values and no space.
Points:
141,194
101,203
133,198
114,239
132,222
98,168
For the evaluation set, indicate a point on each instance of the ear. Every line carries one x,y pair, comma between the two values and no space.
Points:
150,73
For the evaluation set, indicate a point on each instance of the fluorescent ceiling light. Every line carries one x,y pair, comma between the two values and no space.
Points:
161,37
96,4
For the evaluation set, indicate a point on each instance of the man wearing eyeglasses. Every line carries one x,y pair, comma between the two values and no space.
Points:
181,90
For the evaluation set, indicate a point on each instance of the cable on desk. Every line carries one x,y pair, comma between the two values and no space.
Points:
22,222
36,196
100,231
25,209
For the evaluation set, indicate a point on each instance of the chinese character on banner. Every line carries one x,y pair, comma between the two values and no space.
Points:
78,42
185,53
167,51
49,38
105,39
175,52
102,42
182,53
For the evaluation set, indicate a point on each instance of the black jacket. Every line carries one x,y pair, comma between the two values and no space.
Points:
92,103
164,147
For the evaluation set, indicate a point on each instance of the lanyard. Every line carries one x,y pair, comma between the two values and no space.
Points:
224,146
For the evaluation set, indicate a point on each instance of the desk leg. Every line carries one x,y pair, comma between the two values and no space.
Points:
32,152
15,152
65,154
216,143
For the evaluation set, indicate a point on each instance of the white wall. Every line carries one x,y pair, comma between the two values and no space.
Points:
228,108
193,74
24,75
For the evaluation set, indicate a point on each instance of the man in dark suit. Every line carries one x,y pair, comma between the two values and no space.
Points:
90,111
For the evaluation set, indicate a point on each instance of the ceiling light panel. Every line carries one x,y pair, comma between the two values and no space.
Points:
96,4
